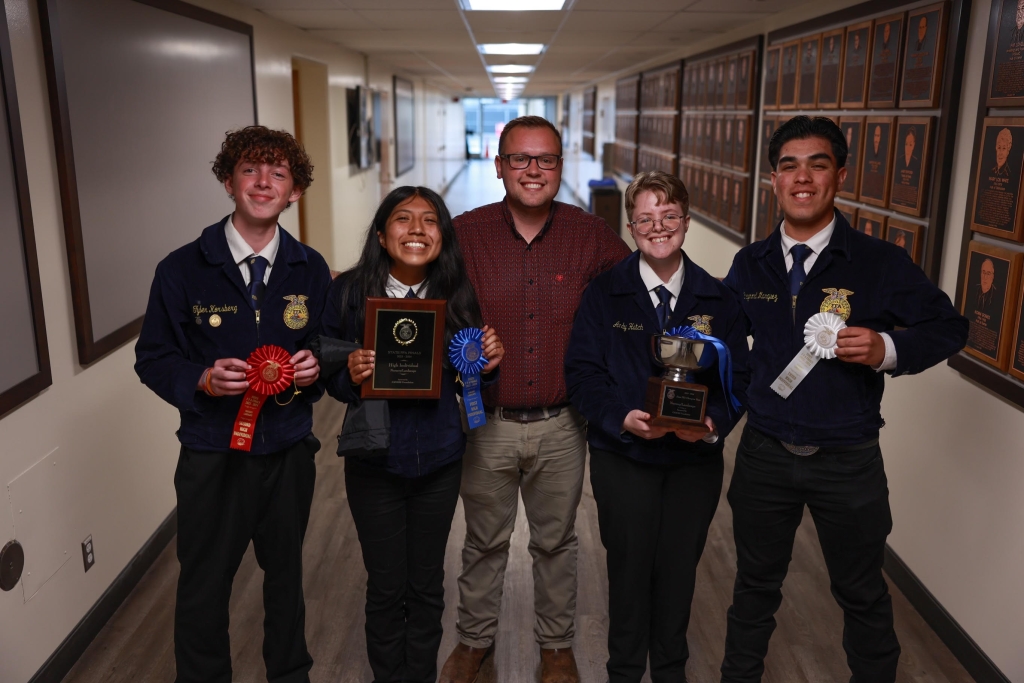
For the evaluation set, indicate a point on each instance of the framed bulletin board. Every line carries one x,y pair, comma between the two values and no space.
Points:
133,83
26,367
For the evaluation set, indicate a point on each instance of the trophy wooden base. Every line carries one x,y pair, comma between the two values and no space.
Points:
676,404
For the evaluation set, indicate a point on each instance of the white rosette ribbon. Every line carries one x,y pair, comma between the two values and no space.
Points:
821,333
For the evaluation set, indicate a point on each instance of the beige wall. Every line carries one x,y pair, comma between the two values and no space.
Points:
952,448
114,439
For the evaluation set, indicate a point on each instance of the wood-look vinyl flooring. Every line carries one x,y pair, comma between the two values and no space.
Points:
137,643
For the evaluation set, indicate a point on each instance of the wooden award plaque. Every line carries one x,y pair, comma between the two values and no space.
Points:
408,338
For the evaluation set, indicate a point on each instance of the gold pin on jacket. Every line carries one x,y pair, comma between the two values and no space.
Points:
701,323
296,315
836,302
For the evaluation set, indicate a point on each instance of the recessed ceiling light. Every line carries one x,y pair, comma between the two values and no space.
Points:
512,5
511,48
509,69
511,79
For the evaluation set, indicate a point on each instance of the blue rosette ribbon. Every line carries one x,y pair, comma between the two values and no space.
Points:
466,352
705,361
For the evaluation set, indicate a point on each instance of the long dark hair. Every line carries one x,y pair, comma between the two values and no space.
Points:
446,275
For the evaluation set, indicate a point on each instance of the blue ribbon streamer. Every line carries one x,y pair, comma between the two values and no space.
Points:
724,360
466,352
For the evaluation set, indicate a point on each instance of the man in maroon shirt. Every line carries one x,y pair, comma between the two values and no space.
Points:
529,258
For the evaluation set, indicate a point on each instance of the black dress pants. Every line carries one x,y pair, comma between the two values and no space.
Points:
403,525
224,501
848,496
654,521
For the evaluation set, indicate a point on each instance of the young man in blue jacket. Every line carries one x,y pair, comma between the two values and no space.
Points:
812,428
245,283
656,488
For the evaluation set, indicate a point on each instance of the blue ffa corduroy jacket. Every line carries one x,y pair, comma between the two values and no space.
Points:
426,434
178,342
880,288
610,361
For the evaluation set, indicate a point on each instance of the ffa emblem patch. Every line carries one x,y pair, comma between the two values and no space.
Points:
296,315
836,302
701,323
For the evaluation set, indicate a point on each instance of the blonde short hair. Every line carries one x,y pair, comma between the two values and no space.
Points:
668,188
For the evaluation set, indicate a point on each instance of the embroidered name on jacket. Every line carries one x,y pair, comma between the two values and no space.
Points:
760,296
629,327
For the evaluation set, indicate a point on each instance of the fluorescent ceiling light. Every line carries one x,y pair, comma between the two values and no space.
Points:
512,5
511,79
509,69
511,48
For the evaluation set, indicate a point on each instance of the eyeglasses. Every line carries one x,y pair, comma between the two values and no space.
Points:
669,223
545,162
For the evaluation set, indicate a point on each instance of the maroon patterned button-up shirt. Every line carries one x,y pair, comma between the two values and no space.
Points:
529,293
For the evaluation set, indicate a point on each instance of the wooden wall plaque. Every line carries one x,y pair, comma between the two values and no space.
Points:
830,68
773,62
924,52
988,299
855,65
997,207
909,190
807,70
1016,364
885,61
1006,71
876,170
871,223
788,75
853,129
906,235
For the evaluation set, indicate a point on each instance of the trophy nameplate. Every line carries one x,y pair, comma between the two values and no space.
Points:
675,400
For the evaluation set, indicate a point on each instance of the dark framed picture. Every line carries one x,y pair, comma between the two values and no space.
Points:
731,79
876,164
772,63
408,338
705,191
907,235
708,144
997,208
871,223
739,200
702,86
405,126
855,65
728,140
744,80
715,180
830,67
768,126
1016,365
741,143
988,300
724,198
686,175
885,61
764,217
849,212
853,129
923,56
909,191
788,75
719,93
1006,71
807,81
716,141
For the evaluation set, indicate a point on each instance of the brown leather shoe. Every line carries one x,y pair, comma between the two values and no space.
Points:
558,666
463,664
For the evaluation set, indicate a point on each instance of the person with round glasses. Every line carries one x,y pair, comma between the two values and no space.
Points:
656,489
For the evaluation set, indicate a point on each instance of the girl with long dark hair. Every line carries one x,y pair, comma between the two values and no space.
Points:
403,496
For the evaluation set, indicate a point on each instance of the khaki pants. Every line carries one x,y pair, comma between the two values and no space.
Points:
544,460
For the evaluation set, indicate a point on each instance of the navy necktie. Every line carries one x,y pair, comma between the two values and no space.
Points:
797,274
663,311
257,271
410,294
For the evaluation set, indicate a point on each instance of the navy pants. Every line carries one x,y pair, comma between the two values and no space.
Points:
848,496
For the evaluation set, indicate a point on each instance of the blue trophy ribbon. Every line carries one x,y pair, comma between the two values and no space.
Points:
705,361
466,352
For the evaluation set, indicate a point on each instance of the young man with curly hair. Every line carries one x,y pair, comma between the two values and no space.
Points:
245,283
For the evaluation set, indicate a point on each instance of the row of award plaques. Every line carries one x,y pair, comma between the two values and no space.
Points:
724,82
889,162
992,299
901,232
718,139
717,194
881,63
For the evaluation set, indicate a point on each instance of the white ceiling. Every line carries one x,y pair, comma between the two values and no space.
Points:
589,39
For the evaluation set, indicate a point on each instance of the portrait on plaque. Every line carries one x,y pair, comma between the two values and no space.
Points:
729,142
905,235
772,60
853,129
885,58
923,52
849,212
763,212
744,70
741,146
876,164
829,74
702,80
705,192
1006,73
1017,348
725,199
730,82
807,82
715,182
716,146
988,301
871,223
909,190
738,217
768,126
855,65
788,75
719,93
998,209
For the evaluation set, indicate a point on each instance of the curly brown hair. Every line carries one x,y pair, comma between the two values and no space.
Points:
263,145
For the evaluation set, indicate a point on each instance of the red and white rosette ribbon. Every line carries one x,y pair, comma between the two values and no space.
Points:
269,374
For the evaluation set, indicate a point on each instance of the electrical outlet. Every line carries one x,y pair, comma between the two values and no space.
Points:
88,557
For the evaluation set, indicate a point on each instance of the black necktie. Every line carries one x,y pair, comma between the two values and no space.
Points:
257,270
410,294
797,274
663,311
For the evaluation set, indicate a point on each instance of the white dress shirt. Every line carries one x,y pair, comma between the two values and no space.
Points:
817,243
241,252
652,282
396,290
